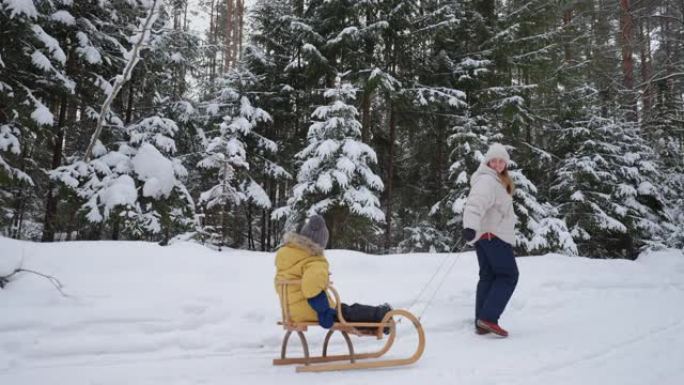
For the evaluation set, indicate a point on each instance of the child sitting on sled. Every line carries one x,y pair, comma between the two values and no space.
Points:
301,258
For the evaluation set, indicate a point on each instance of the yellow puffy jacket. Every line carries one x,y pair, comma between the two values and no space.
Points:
302,259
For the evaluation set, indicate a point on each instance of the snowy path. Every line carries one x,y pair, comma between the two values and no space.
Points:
142,314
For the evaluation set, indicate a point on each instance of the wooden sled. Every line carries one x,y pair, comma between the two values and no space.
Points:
327,362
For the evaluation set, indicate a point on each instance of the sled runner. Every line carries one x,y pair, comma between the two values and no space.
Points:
327,362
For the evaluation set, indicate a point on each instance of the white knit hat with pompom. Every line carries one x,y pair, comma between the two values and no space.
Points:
497,150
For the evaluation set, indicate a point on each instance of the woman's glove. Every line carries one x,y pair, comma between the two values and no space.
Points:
468,234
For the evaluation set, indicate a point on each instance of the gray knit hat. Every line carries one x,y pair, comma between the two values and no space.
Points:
316,230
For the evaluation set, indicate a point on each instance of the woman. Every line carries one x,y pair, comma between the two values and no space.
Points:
489,223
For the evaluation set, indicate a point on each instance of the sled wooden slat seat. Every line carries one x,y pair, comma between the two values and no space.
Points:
327,362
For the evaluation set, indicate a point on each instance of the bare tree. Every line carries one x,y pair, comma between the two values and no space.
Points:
133,56
627,43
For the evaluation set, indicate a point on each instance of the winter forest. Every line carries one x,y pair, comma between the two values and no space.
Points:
121,120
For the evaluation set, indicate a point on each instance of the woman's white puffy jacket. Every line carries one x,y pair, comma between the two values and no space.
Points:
489,208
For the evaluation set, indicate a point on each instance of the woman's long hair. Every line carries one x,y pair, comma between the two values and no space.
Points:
507,181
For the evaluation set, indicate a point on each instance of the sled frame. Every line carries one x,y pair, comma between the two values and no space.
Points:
326,362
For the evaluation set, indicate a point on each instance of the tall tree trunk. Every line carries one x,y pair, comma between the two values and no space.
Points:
250,234
212,42
229,38
239,25
335,219
116,225
332,228
646,65
390,177
20,220
365,116
262,235
185,16
487,9
299,8
567,19
176,17
224,225
19,194
440,159
272,193
679,59
602,59
51,200
369,48
182,70
72,221
71,142
626,43
224,205
129,106
669,48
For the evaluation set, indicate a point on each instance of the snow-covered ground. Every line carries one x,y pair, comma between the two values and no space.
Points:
137,313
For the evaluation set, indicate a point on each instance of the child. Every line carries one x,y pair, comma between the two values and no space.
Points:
301,258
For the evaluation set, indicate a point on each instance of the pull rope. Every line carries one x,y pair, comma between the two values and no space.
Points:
434,275
437,270
439,286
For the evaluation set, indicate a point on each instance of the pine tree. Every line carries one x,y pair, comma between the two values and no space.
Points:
540,229
665,129
32,72
237,159
335,177
282,52
467,139
606,189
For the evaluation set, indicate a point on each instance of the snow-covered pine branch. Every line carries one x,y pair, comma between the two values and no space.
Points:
140,183
9,142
